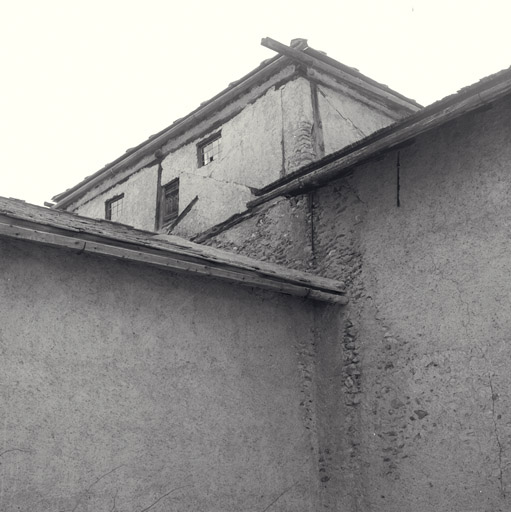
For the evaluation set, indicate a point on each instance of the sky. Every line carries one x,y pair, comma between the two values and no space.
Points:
84,81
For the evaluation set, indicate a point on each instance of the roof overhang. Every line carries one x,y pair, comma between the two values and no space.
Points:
64,230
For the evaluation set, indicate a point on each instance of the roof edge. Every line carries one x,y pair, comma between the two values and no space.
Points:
162,251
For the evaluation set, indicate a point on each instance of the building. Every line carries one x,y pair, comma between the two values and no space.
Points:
382,385
291,110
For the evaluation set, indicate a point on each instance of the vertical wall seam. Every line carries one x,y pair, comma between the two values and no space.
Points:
398,179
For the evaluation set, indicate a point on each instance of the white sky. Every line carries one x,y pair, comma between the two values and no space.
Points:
84,81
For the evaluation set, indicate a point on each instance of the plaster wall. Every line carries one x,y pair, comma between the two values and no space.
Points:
346,119
270,136
413,391
203,124
139,192
126,388
428,322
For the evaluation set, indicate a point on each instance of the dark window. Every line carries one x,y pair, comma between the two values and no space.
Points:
210,149
114,207
170,201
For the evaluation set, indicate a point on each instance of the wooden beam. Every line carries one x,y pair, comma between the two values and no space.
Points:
215,264
344,76
389,139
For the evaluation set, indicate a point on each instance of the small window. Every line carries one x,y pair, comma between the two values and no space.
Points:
170,201
114,207
209,150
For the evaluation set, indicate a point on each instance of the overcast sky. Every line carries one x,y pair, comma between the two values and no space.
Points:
84,81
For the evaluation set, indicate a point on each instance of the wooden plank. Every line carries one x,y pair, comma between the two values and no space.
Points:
386,142
168,261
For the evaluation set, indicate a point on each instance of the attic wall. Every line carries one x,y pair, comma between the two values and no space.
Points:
139,191
413,388
261,140
346,119
127,389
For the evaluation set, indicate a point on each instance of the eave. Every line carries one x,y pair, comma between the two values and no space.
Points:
81,235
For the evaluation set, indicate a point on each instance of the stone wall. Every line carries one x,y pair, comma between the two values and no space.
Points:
125,388
412,384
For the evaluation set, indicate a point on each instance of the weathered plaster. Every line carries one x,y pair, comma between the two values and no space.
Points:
413,381
268,132
125,387
346,120
203,126
139,191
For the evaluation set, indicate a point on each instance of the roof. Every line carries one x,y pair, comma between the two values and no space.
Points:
71,232
468,99
296,53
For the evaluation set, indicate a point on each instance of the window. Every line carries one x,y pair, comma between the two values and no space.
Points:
113,208
209,150
170,202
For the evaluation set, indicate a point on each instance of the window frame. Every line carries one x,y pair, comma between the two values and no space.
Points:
108,206
206,142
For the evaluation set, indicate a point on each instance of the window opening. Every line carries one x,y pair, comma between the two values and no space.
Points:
114,208
170,198
210,150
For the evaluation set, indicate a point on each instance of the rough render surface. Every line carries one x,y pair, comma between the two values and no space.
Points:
412,380
139,192
128,389
279,234
346,119
262,139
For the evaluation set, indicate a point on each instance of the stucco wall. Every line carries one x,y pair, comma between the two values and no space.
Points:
126,388
139,192
413,393
346,119
270,131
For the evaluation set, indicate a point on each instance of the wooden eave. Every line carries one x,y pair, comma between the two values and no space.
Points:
81,235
